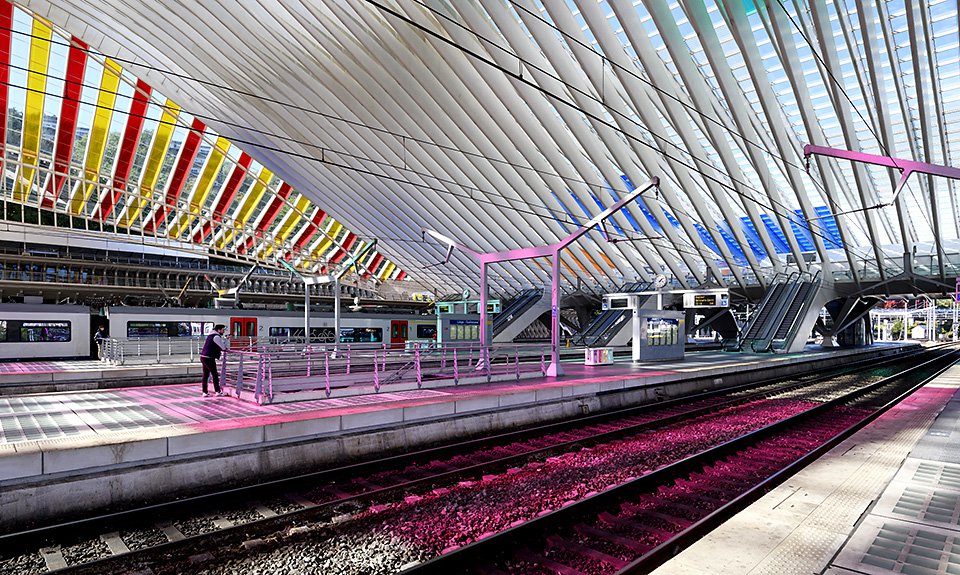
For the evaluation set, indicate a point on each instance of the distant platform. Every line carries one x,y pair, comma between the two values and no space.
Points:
886,500
56,449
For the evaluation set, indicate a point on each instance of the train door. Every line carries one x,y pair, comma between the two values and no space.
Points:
243,330
398,333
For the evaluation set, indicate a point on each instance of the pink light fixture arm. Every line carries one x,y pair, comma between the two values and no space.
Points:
906,167
552,251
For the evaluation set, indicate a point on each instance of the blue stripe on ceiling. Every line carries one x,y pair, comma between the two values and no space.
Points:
828,227
612,222
780,244
753,238
801,231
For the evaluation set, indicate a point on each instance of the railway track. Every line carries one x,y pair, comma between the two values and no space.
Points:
357,493
635,526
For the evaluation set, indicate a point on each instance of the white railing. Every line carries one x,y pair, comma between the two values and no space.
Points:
264,371
133,350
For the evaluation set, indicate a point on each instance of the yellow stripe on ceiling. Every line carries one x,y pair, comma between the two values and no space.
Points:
203,186
290,221
243,212
151,170
387,271
322,248
97,142
33,108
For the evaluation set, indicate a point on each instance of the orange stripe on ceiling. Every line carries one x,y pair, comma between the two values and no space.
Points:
592,262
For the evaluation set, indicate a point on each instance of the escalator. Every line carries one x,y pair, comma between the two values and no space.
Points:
519,314
606,326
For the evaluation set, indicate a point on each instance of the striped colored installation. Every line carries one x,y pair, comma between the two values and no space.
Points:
243,213
198,197
287,225
33,109
72,87
97,142
128,149
268,215
151,170
6,25
205,183
188,153
310,230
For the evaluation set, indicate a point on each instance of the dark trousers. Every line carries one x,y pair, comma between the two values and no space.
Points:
210,368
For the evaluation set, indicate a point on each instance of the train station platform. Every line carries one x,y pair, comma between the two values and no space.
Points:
78,375
59,450
886,500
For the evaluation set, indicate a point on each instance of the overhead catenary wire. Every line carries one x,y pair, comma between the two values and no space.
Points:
374,174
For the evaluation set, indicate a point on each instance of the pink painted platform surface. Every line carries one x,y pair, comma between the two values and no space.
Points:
73,419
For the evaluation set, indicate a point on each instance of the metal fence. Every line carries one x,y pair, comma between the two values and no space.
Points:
139,351
270,370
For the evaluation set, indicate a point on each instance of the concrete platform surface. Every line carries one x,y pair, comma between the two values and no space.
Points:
886,500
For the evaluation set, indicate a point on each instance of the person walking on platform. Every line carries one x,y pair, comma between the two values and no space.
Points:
98,339
212,349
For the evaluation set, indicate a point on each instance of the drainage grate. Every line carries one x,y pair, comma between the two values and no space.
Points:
903,548
931,505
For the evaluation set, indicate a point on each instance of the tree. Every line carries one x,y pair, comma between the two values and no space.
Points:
896,329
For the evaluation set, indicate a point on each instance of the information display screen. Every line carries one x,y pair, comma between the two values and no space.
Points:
618,303
706,299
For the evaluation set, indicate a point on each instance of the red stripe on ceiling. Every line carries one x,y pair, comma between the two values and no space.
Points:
311,230
128,147
376,261
188,153
282,194
73,85
226,196
271,212
6,25
401,275
338,255
349,240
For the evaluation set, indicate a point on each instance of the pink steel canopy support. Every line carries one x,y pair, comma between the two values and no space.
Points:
553,251
906,167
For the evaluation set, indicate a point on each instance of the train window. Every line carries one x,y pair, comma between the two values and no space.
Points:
426,331
152,329
403,331
361,335
45,331
394,331
3,330
279,332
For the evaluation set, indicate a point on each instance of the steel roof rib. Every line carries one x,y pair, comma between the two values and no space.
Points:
703,98
568,146
662,77
514,141
783,34
920,79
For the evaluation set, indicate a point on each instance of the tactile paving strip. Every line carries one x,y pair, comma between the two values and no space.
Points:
881,546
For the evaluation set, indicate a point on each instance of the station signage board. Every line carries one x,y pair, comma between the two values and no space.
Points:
706,299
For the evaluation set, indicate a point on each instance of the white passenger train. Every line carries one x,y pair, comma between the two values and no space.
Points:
35,331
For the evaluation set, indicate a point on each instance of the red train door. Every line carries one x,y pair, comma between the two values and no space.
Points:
243,329
398,333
